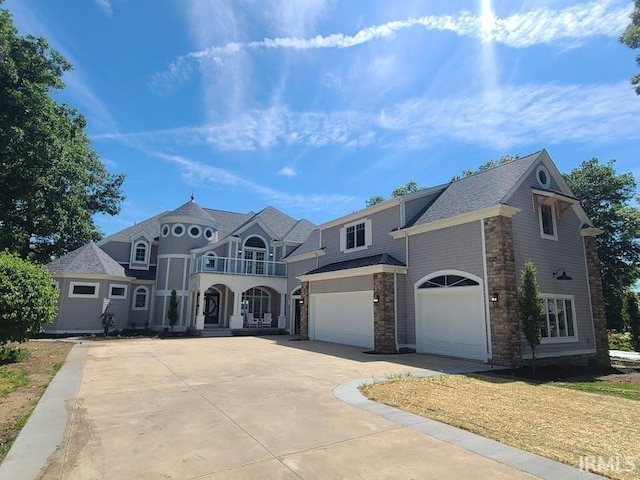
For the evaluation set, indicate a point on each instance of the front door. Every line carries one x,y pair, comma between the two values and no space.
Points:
212,308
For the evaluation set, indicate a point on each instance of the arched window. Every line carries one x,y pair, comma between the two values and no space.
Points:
255,254
447,281
140,298
140,254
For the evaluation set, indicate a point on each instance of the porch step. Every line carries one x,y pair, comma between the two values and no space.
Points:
257,332
216,332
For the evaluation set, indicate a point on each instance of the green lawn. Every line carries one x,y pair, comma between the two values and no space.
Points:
12,379
629,391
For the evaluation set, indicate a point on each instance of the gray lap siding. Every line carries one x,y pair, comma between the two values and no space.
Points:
550,255
382,223
452,248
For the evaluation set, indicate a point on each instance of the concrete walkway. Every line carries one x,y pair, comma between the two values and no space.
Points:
635,356
248,407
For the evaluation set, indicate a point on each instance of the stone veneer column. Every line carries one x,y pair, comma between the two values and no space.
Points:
501,279
597,300
384,323
304,311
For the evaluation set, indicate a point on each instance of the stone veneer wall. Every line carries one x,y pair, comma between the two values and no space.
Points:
501,279
304,311
384,321
597,300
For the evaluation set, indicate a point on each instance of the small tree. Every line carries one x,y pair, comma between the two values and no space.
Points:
631,315
107,320
172,314
28,298
374,200
531,306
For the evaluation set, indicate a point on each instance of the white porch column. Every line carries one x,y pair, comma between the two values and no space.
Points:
282,318
200,312
237,319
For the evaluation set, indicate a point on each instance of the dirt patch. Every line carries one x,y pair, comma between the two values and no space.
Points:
45,358
558,423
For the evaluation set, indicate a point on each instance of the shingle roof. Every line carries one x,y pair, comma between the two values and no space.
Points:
228,221
149,227
279,223
300,231
311,244
482,190
191,209
87,259
381,259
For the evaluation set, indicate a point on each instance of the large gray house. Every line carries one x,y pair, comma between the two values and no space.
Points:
436,270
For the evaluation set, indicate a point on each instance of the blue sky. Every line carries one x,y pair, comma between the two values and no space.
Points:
315,105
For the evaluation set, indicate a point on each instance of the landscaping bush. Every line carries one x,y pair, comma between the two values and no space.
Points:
620,341
28,298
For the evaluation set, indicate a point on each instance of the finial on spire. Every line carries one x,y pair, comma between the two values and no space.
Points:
192,197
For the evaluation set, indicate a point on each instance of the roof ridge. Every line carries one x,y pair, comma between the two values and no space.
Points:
475,174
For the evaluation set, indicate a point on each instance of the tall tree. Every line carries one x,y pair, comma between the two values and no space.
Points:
374,200
606,197
410,187
631,38
631,315
52,180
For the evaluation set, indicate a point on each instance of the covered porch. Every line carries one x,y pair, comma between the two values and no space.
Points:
236,303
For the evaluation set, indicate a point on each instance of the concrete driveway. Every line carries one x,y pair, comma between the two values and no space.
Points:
246,407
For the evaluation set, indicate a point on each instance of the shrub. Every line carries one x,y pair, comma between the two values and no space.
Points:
530,305
28,298
619,341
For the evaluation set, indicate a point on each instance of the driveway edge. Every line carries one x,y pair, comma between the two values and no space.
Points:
513,457
46,426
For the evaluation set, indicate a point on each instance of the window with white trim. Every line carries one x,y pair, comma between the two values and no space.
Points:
117,291
140,254
84,290
355,236
560,319
548,224
140,297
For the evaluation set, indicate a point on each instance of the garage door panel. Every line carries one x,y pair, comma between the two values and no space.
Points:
450,321
345,317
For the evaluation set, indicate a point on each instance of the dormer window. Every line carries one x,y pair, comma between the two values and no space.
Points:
355,236
141,253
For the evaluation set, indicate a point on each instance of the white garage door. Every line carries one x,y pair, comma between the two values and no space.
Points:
450,319
345,317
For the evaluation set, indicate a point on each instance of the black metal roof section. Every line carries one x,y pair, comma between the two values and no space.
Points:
381,259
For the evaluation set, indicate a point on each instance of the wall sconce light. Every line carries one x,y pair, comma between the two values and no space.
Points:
301,300
561,274
376,299
239,251
271,254
493,298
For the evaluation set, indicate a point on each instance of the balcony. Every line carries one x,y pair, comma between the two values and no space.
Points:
240,266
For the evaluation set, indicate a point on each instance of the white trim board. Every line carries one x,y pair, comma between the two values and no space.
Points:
353,272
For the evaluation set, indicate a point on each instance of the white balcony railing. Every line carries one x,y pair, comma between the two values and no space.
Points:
240,266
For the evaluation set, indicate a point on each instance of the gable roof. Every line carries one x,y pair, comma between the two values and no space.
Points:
279,223
87,259
299,232
380,259
476,192
227,221
311,244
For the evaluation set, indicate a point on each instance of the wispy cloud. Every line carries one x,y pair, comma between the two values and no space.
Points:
520,30
204,175
105,6
287,172
513,116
